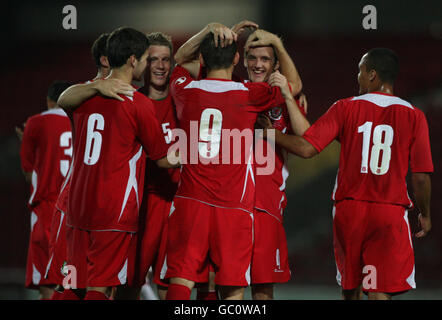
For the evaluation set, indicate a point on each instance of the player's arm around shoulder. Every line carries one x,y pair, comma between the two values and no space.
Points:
75,95
292,143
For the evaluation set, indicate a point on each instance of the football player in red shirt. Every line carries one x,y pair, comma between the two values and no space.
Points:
58,253
264,56
221,216
109,140
381,137
161,184
46,152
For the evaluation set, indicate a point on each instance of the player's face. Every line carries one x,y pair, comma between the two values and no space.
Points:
140,67
159,68
260,63
363,77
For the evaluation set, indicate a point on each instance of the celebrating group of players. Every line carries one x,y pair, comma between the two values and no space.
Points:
114,192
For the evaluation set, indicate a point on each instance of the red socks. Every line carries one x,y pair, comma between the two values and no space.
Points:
95,295
178,292
206,295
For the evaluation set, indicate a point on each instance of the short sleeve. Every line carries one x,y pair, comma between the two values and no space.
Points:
420,154
27,149
148,130
326,128
179,79
262,96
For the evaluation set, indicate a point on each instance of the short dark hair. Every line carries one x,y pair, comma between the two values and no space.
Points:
99,49
216,58
385,62
56,88
124,42
160,39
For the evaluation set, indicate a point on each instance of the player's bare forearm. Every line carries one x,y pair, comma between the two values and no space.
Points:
187,55
288,67
422,192
169,162
297,120
295,144
75,95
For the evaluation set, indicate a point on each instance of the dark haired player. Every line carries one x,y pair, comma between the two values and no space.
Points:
45,153
381,135
57,251
109,140
209,222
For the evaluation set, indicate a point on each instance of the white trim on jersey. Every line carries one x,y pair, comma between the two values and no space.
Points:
132,180
336,186
59,226
36,275
410,280
48,267
249,169
56,111
34,219
383,100
214,205
122,275
216,86
270,214
34,181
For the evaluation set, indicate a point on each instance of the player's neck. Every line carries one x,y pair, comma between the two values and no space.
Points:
102,73
123,74
158,93
220,74
383,88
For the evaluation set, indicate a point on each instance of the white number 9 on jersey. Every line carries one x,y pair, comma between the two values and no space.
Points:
93,139
210,137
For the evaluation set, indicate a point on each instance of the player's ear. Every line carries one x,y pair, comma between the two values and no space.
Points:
104,61
236,58
372,75
132,61
201,59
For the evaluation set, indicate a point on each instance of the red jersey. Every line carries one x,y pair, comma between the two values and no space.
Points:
46,151
380,136
214,113
108,173
270,189
159,180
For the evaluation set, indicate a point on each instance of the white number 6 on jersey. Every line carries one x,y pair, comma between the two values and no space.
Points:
94,122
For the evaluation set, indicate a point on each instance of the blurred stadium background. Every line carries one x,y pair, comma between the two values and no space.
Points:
325,39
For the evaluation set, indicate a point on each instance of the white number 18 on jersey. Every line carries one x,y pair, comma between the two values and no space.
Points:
378,146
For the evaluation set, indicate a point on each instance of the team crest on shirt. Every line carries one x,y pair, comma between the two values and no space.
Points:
180,80
275,113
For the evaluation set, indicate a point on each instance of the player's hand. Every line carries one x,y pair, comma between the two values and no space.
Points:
19,131
113,87
262,38
277,79
240,26
263,122
222,35
303,102
425,225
